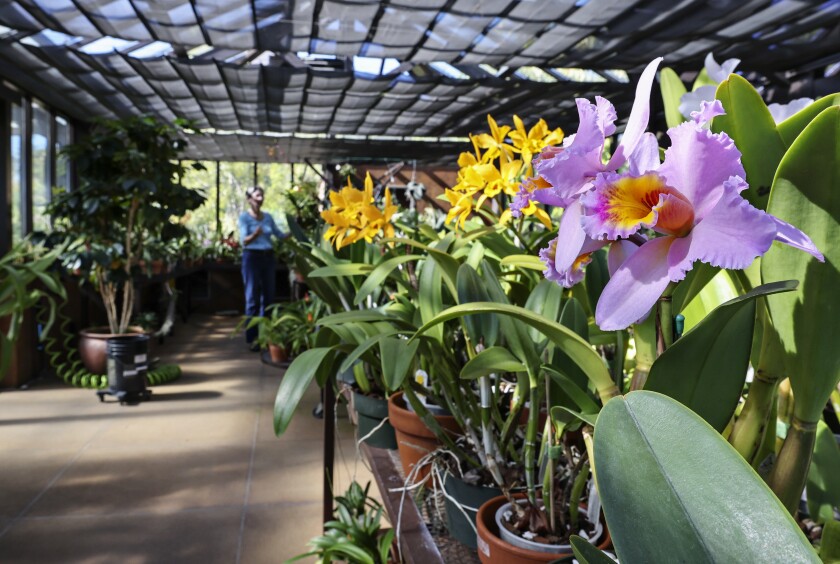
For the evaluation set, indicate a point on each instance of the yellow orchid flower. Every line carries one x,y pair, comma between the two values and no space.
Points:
535,140
494,142
354,215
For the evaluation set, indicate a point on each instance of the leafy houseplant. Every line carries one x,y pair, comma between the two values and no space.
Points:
128,196
20,269
355,535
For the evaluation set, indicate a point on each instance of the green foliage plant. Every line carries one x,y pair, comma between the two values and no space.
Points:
128,195
355,534
27,276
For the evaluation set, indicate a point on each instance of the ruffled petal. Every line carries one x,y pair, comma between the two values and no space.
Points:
698,162
731,235
570,169
640,114
790,235
707,112
635,286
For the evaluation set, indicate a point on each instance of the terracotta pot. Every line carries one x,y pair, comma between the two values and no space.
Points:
414,439
493,550
93,347
278,354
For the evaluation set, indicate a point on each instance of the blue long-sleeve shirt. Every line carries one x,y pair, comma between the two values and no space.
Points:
248,224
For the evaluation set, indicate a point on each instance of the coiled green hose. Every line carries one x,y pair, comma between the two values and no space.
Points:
64,358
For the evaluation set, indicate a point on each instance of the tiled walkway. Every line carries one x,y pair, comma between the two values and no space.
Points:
194,476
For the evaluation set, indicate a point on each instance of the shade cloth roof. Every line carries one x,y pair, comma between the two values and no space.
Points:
337,79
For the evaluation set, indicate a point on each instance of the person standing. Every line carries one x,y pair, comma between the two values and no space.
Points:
256,228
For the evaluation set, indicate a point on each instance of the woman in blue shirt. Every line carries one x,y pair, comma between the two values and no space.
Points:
256,228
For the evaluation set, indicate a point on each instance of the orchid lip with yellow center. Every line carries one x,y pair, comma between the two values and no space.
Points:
620,206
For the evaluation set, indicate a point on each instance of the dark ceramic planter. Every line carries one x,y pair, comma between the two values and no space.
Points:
470,498
370,413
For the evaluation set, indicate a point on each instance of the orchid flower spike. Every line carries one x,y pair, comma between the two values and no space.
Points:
693,201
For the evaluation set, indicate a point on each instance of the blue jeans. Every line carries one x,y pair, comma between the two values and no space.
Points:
258,273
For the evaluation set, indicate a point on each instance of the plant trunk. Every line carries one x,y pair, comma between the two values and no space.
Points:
791,469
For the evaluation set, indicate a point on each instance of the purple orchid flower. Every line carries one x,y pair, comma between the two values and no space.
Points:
693,200
571,170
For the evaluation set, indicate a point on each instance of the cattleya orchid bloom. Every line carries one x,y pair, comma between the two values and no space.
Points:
717,73
353,215
570,170
693,201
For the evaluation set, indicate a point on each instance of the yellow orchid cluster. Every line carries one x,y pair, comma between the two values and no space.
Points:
500,168
354,216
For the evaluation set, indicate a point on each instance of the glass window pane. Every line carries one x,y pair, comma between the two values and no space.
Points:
202,221
235,179
16,162
62,139
41,181
275,179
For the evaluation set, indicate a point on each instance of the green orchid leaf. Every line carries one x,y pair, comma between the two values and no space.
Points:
830,543
558,411
430,296
397,356
585,552
795,124
297,378
578,350
530,262
705,370
575,319
652,462
672,90
703,79
597,276
494,360
338,270
480,328
363,348
750,124
806,193
379,274
823,484
573,390
694,282
545,299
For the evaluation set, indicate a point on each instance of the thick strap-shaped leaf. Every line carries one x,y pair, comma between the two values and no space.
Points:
382,271
397,356
297,378
494,360
806,193
672,90
751,126
480,328
674,490
705,369
585,552
578,350
823,484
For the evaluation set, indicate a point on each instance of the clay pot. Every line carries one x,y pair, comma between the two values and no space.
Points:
93,347
414,439
277,353
493,550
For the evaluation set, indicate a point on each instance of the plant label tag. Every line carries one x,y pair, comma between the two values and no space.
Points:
483,546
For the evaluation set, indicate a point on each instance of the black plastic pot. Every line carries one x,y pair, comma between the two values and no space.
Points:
127,367
371,412
468,496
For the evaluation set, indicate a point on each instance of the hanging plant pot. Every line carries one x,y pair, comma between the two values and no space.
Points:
93,347
370,412
469,497
414,439
494,548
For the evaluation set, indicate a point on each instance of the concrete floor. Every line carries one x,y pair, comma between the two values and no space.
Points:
195,475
